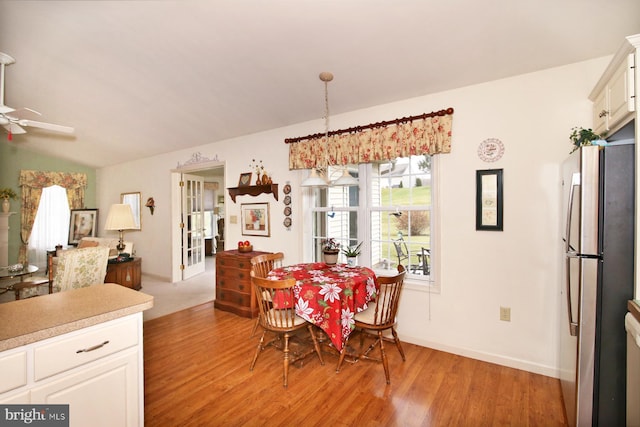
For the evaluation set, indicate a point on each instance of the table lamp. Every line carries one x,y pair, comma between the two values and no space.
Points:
120,218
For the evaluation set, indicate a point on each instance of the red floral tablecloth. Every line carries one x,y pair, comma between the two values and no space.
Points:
329,295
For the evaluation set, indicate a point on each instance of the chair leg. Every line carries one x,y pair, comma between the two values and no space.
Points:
255,327
397,340
343,353
286,359
315,344
383,356
258,350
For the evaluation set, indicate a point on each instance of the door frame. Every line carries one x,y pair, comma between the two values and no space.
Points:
176,211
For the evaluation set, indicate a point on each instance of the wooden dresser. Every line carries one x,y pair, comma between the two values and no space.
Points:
234,292
127,273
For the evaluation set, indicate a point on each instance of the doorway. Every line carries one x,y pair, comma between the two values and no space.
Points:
213,209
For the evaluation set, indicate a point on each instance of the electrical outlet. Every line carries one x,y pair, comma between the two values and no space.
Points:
505,314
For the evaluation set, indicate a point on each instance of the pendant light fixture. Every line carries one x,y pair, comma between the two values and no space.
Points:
316,179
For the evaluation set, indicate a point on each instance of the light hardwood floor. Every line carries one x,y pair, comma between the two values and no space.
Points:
197,374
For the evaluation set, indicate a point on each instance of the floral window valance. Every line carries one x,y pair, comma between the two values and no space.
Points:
426,134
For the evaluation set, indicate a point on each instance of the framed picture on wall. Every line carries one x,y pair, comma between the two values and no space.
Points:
82,223
489,199
255,219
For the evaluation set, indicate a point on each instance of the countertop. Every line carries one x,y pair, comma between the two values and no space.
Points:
26,321
634,308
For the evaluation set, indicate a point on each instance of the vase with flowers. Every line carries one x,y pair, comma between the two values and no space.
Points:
330,251
5,195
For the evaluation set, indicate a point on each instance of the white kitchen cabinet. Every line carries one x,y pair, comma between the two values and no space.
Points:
613,98
97,370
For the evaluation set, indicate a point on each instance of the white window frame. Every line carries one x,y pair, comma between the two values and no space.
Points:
430,283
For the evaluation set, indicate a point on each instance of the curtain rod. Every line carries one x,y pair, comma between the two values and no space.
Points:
371,126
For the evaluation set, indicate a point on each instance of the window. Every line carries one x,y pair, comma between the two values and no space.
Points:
51,226
391,208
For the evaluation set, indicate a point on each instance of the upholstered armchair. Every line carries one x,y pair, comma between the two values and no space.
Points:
80,268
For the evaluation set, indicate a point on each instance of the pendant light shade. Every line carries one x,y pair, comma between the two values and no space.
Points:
314,180
345,180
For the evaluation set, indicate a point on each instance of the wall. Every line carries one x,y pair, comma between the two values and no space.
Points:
13,158
479,271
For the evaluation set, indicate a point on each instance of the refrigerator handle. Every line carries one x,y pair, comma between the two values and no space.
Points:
570,253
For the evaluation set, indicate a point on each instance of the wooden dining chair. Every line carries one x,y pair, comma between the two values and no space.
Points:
276,302
379,317
261,265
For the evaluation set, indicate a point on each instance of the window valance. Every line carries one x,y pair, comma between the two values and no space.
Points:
39,179
425,134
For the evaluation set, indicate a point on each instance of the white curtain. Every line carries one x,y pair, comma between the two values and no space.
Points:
51,226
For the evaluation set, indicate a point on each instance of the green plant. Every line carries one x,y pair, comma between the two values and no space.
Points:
8,193
330,245
352,251
581,137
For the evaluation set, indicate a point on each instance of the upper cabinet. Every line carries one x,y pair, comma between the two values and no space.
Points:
614,101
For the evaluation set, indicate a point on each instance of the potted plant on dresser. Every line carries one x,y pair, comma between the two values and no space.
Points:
330,250
352,252
5,195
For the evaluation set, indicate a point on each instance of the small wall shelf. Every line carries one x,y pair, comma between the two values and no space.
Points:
253,190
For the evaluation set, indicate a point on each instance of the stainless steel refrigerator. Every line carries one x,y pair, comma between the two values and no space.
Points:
598,188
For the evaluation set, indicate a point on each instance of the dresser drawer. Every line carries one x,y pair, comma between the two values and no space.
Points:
92,344
13,371
234,284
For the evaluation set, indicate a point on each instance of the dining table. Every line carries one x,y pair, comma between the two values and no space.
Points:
329,295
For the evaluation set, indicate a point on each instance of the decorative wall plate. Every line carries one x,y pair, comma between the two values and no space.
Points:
287,200
287,211
490,150
286,189
287,222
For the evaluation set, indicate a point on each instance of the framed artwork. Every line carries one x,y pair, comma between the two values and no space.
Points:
83,223
245,179
489,199
255,219
133,200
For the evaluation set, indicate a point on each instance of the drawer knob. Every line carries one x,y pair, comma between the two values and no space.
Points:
95,347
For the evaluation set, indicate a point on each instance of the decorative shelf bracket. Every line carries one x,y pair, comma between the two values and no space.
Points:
253,190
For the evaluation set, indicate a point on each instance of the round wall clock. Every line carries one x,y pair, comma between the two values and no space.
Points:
490,150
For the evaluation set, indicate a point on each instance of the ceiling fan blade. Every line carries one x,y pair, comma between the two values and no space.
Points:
14,129
24,113
5,109
47,126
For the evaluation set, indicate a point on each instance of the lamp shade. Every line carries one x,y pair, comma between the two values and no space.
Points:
120,217
345,180
314,180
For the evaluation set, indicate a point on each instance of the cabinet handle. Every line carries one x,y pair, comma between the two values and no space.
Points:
603,113
95,347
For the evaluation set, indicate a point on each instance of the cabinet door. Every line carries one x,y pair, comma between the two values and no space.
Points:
104,393
600,112
620,93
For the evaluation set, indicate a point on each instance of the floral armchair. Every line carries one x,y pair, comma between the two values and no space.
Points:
80,268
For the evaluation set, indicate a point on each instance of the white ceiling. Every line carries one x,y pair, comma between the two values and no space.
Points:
138,78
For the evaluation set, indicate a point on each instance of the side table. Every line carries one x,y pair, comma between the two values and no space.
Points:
127,274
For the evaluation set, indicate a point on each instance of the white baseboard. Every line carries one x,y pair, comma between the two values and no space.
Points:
498,359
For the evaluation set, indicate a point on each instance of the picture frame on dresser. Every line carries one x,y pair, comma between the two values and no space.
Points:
82,223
